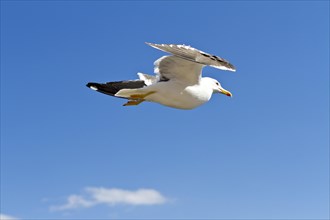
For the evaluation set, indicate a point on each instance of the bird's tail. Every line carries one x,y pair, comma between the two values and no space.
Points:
111,88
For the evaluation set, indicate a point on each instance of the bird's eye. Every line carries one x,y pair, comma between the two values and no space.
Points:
217,83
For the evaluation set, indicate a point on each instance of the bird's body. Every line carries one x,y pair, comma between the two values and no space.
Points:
181,96
177,83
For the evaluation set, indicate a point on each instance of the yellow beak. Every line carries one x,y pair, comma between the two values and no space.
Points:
225,92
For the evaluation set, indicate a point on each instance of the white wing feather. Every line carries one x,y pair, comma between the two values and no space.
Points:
173,67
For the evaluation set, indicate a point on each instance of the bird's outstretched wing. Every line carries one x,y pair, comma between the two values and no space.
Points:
177,68
194,55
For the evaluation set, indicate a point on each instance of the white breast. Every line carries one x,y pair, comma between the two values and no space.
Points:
180,95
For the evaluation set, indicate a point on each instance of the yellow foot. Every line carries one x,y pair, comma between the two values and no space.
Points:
141,96
137,99
133,102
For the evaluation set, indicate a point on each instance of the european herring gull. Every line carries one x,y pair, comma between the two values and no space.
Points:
177,82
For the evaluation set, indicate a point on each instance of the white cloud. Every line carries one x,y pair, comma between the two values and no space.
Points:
7,217
73,202
99,195
117,196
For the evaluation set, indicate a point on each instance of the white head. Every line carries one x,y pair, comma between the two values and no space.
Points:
215,86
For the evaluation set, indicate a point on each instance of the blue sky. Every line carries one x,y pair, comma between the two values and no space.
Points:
67,150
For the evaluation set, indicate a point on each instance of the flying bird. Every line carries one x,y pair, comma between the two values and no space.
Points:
177,83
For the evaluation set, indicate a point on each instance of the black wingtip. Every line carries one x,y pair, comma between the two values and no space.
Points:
93,86
111,88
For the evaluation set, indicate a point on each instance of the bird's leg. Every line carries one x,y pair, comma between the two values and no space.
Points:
141,96
137,99
133,102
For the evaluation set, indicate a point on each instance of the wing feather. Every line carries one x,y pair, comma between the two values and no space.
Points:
197,56
111,88
173,67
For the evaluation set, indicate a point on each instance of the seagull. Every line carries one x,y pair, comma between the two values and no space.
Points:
177,83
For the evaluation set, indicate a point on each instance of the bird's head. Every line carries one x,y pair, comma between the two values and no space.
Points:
216,86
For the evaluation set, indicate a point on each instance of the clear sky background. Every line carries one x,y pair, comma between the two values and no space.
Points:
65,149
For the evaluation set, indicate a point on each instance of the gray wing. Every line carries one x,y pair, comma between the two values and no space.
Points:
176,68
194,55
